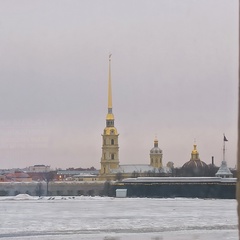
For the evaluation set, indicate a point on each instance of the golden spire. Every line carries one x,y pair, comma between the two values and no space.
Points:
109,86
110,117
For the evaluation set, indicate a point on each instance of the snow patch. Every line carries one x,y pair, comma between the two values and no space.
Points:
23,197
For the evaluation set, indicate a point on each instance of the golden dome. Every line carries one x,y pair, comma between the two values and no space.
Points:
110,131
155,149
194,151
195,162
109,116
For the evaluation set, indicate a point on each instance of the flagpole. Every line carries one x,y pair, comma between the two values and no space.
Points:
224,148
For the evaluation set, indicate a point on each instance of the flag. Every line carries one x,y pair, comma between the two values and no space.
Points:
224,138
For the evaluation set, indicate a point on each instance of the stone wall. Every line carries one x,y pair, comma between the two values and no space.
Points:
54,188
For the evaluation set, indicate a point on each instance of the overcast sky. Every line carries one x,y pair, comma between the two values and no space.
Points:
174,76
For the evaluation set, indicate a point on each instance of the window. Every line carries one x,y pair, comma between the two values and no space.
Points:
112,156
112,141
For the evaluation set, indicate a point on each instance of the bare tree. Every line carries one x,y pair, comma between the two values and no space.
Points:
48,177
39,190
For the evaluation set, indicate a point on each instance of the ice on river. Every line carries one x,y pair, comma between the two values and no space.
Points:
104,218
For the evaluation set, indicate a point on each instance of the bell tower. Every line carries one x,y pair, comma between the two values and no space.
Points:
156,155
110,149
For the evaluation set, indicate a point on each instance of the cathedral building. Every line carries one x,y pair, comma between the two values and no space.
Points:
110,167
194,167
110,149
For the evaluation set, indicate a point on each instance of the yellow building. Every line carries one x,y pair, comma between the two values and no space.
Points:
110,167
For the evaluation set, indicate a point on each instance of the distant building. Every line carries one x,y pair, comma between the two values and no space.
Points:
156,156
17,177
38,168
155,168
110,167
75,175
84,177
194,167
224,171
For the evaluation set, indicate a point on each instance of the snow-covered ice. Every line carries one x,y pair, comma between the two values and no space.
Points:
104,218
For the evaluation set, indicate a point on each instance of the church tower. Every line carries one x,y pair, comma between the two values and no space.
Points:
110,149
156,155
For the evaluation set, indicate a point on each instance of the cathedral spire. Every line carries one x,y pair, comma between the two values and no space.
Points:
110,117
110,148
109,86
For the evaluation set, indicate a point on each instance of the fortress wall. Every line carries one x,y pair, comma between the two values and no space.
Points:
54,188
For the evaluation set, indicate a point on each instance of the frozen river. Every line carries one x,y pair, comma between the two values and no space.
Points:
102,218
